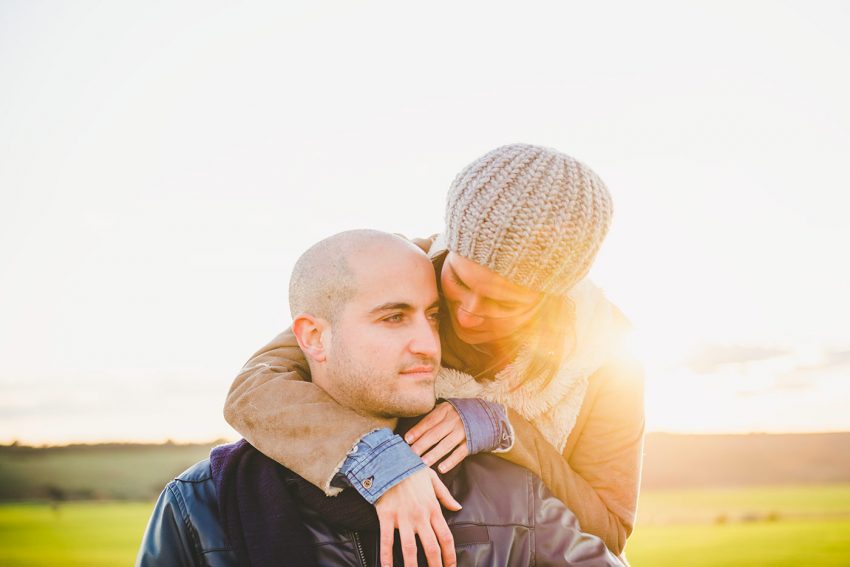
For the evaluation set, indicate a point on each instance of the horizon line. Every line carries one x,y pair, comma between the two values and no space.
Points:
21,443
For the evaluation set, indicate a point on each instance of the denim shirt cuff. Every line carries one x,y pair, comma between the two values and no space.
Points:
379,461
486,425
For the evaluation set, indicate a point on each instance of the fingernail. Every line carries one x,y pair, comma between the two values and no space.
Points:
409,439
442,468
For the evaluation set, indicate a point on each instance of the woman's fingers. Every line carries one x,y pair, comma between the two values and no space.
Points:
444,496
454,459
387,524
442,423
408,545
413,507
430,546
438,521
433,436
444,447
446,545
434,416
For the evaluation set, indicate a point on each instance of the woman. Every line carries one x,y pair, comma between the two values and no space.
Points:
525,332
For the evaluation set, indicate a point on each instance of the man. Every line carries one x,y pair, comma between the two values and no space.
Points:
365,312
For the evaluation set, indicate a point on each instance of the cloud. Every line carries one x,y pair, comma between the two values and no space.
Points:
795,380
710,358
805,375
837,358
795,372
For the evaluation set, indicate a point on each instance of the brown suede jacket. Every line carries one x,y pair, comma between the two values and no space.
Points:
273,404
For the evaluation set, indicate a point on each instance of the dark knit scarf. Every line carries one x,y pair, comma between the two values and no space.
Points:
259,502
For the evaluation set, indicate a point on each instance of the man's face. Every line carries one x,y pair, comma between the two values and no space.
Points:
384,350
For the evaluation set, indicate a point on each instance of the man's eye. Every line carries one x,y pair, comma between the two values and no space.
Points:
394,318
435,316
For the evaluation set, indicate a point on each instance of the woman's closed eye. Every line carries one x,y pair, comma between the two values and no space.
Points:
457,280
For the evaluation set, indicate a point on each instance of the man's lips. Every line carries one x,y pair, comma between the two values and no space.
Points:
418,370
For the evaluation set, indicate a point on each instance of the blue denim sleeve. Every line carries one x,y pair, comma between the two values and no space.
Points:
379,461
486,425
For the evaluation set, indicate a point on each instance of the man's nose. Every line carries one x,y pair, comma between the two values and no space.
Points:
426,340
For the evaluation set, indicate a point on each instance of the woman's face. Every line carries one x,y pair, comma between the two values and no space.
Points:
484,306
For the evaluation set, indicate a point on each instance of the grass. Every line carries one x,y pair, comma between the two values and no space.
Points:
764,525
810,526
736,504
795,543
76,534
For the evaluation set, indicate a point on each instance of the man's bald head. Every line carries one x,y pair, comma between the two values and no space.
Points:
365,312
324,280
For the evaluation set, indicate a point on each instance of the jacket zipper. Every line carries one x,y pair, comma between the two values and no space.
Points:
359,547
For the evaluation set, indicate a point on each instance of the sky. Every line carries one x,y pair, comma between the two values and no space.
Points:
162,166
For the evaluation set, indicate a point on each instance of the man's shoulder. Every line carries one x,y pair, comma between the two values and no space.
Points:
184,527
505,489
492,489
199,472
196,492
193,492
503,475
488,464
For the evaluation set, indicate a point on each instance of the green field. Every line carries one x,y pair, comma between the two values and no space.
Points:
809,543
731,527
79,533
713,505
101,472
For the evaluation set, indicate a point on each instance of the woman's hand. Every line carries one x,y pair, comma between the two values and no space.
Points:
438,434
413,507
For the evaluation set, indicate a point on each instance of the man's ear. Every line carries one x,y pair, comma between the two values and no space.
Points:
310,333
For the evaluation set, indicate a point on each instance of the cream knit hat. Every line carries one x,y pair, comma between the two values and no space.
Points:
530,214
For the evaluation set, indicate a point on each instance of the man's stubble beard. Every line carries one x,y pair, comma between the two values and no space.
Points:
370,391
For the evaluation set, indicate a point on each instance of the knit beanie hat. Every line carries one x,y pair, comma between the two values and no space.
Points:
532,215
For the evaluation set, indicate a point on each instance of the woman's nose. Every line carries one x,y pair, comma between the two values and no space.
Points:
468,320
